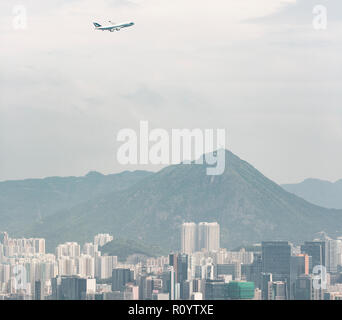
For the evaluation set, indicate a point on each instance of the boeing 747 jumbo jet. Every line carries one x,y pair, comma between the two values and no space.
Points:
112,27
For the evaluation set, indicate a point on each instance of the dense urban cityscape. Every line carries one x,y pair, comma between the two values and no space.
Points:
202,270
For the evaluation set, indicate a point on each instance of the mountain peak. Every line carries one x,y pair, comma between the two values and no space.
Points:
94,174
248,206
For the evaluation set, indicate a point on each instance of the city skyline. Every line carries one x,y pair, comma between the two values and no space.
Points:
273,270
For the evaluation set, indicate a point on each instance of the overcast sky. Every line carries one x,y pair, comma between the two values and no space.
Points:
256,68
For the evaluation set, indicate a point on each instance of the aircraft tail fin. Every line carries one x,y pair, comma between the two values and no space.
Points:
96,24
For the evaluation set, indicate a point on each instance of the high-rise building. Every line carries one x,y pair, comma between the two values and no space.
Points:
208,236
102,238
332,255
182,268
279,290
276,259
169,283
198,285
77,288
56,288
266,286
240,290
131,292
233,269
204,236
145,287
1,252
104,266
299,266
23,246
68,249
39,290
173,262
183,274
120,277
3,237
189,237
67,266
180,265
85,266
186,290
90,249
255,270
216,290
315,249
303,288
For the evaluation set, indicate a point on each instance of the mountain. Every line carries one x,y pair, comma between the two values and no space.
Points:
323,193
248,206
26,201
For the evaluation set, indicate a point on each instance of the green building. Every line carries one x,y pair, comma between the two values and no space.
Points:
240,290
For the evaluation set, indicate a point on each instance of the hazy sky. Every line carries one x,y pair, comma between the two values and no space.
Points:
256,68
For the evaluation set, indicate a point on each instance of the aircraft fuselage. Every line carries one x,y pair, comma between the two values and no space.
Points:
112,28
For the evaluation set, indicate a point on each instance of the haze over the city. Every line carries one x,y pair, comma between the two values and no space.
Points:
258,69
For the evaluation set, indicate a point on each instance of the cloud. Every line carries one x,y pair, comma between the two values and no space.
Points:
256,68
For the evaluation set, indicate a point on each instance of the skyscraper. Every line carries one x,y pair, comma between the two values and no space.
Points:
189,237
182,267
279,290
276,259
180,264
204,236
266,286
169,283
120,277
173,262
332,255
303,288
39,290
3,237
68,249
102,238
299,266
104,266
77,288
315,249
208,236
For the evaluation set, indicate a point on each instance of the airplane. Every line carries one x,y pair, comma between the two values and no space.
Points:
112,27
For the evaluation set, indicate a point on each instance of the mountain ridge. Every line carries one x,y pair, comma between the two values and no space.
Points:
248,206
24,201
320,192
